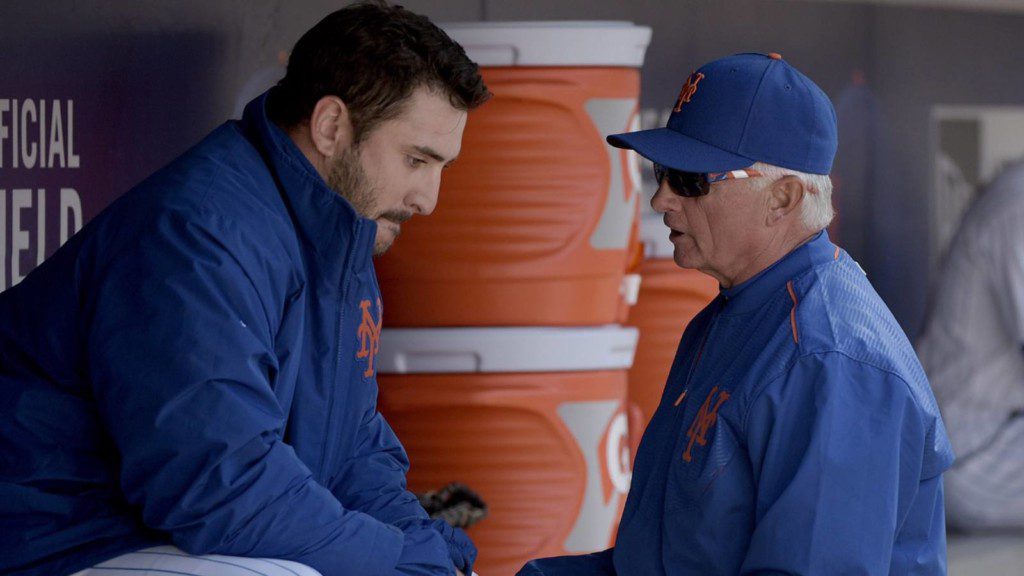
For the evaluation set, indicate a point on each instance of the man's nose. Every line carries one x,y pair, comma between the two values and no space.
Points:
424,198
664,199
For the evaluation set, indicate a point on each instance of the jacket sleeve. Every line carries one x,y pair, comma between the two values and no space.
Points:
374,481
596,564
837,448
181,357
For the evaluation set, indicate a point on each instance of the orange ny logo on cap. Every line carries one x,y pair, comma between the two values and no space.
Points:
706,418
369,336
689,89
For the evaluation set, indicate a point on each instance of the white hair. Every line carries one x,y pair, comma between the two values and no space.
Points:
817,211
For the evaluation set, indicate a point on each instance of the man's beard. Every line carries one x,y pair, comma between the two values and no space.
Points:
348,179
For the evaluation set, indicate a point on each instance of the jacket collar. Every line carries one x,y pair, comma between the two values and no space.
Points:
326,222
753,293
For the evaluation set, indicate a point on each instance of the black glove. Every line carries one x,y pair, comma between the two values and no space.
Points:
456,504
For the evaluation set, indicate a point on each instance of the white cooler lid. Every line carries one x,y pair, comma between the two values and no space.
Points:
526,349
555,43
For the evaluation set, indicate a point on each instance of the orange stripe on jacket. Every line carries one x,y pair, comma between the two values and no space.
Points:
680,399
792,313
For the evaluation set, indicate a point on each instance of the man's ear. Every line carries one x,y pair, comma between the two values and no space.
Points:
785,196
330,127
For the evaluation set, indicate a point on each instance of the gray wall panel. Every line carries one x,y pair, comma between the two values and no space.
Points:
162,74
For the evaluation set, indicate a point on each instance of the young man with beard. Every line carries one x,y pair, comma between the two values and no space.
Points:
196,367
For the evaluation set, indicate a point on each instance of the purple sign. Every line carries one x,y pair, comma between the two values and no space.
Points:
40,207
82,119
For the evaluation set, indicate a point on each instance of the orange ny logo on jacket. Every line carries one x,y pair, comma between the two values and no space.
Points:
369,336
689,89
706,418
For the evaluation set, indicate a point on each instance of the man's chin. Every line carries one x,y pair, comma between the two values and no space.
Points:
383,242
683,260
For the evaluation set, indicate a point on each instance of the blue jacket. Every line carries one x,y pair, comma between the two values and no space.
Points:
197,366
797,434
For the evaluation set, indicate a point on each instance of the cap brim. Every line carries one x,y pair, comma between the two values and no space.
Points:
674,150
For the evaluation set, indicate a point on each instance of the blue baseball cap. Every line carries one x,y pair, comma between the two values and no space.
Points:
739,110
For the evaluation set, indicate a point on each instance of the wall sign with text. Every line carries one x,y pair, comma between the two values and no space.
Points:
38,184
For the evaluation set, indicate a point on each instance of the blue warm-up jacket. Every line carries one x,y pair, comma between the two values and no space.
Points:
197,367
797,435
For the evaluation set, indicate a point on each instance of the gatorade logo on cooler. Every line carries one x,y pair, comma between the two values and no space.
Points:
601,433
610,116
615,458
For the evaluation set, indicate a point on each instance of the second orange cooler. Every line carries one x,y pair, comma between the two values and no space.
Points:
534,420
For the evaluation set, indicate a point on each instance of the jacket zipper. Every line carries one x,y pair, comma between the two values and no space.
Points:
341,348
698,357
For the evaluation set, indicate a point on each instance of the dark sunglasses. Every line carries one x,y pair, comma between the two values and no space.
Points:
694,184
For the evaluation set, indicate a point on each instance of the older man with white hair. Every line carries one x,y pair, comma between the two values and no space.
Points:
797,433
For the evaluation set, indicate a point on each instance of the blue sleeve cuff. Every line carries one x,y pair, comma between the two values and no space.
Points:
461,549
597,564
425,553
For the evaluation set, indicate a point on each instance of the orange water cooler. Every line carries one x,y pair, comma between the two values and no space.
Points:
535,223
533,419
502,362
669,298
